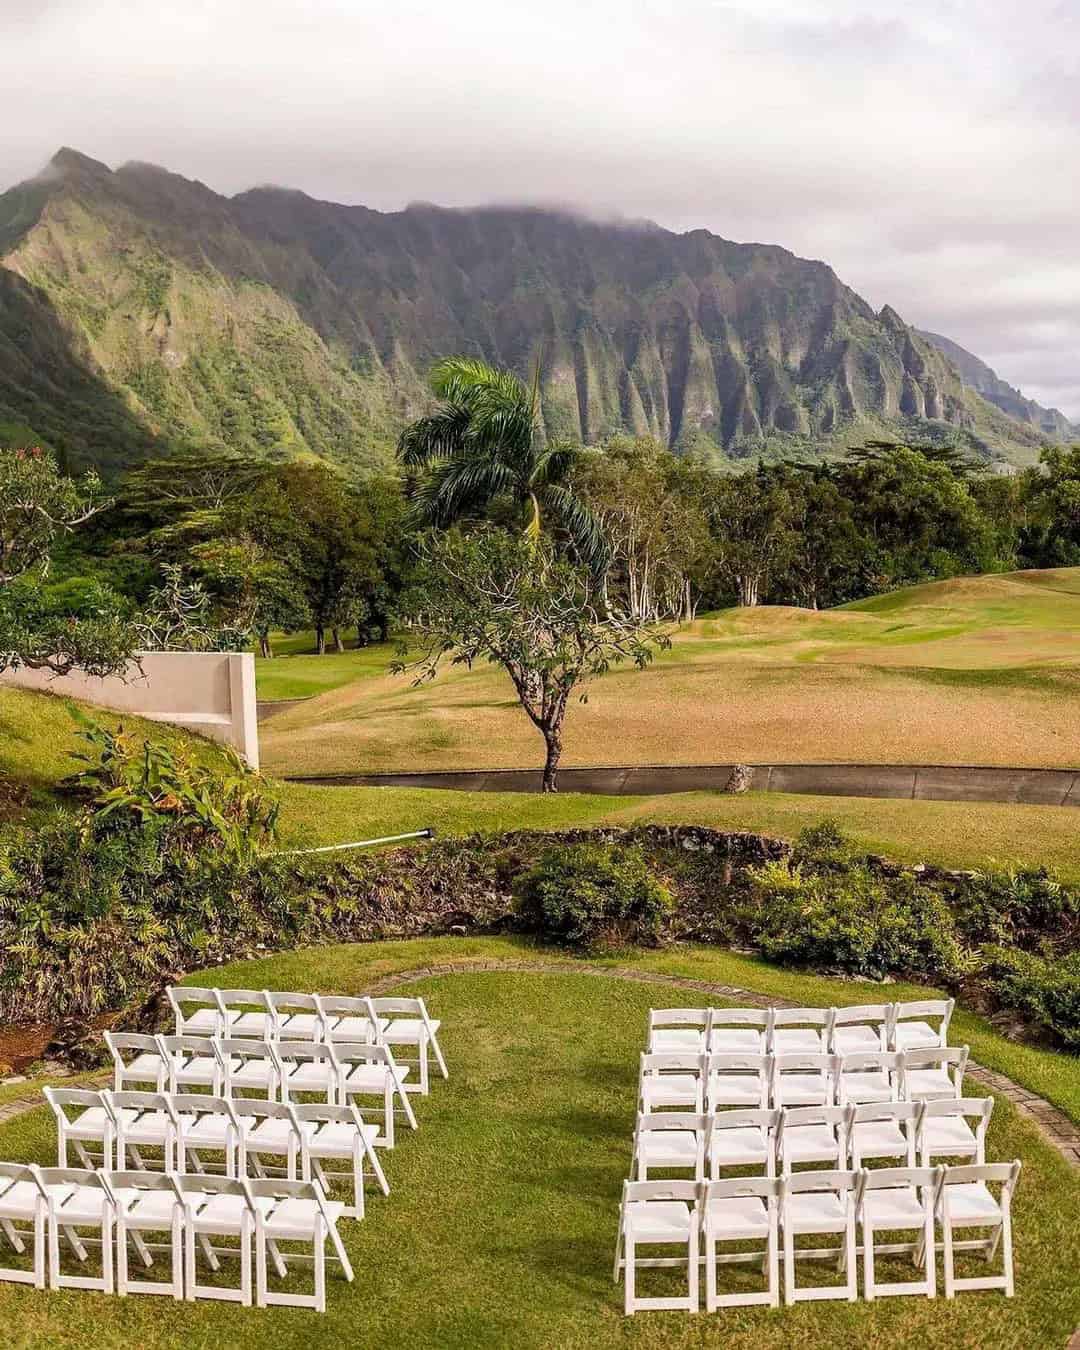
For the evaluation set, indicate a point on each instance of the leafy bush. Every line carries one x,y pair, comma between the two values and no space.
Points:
593,896
854,920
128,780
1045,990
1017,908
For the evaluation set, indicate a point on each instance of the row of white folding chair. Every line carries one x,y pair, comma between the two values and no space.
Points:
778,1140
189,1208
280,1069
862,1029
269,1014
777,1210
305,1136
716,1081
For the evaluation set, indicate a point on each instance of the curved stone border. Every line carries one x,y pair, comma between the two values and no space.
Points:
912,782
1055,1127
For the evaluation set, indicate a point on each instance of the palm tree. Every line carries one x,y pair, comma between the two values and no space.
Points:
482,443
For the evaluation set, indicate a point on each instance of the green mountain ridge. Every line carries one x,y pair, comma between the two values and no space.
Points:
141,311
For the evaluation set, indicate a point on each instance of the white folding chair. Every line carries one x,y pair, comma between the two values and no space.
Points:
737,1080
742,1139
966,1201
207,1124
92,1125
266,1129
147,1203
22,1201
800,1031
678,1031
804,1079
370,1071
143,1120
138,1062
246,1014
820,1203
946,1133
899,1199
191,1062
295,1211
337,1133
739,1031
862,1029
671,1083
912,1031
77,1199
813,1134
197,1012
658,1213
410,1026
347,1018
876,1076
887,1130
216,1207
934,1073
308,1066
296,1017
672,1141
742,1210
246,1066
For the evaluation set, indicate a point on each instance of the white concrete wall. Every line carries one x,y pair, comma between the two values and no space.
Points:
212,693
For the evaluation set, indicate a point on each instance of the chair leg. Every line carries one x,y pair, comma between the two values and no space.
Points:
628,1277
1007,1252
789,1266
693,1268
121,1258
947,1255
245,1261
868,1262
423,1057
388,1113
107,1252
710,1271
439,1056
320,1265
260,1265
774,1265
852,1261
12,1235
41,1224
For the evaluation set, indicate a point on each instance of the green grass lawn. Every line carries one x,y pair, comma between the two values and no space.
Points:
295,671
500,1226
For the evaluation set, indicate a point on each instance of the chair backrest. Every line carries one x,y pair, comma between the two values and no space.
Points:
336,1007
233,1002
415,1007
864,1061
195,1046
898,1111
186,1000
123,1042
189,1105
277,1188
697,1018
819,1018
115,1182
1005,1174
655,1121
636,1191
281,1004
158,1102
756,1018
746,1118
841,1181
811,1062
361,1052
980,1108
210,1183
59,1098
323,1111
892,1178
13,1172
794,1116
260,1108
664,1062
938,1057
49,1177
863,1014
921,1009
233,1052
733,1061
765,1188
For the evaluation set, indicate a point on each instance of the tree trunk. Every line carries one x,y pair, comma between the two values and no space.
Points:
320,640
748,590
339,646
553,741
265,650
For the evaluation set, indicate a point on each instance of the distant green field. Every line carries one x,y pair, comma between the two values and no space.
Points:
296,672
978,670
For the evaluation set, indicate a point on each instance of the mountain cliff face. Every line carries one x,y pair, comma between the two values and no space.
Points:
140,311
977,375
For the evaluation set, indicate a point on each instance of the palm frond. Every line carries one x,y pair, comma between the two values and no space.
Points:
579,523
459,487
438,436
554,463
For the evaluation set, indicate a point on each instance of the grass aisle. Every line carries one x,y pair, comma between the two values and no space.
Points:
500,1225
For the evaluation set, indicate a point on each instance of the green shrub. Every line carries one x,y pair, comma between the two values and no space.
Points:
1017,908
593,896
1045,990
854,920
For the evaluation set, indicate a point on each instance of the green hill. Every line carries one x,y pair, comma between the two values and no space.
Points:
140,311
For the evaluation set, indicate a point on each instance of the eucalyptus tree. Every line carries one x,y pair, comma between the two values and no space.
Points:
483,447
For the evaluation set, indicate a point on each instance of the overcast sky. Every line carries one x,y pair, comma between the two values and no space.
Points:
928,149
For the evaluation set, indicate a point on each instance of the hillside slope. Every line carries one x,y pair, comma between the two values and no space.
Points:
140,310
980,670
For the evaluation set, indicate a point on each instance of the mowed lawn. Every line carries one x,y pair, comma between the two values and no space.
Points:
982,670
500,1226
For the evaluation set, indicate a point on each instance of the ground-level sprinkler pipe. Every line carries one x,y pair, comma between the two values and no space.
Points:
429,833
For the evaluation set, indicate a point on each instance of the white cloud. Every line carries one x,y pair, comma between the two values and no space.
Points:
925,148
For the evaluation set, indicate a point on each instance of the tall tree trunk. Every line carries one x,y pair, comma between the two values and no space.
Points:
320,640
748,590
265,649
339,646
360,639
553,742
